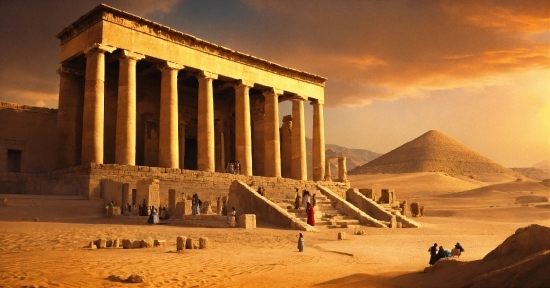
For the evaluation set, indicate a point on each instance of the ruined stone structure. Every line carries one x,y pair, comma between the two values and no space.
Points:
134,92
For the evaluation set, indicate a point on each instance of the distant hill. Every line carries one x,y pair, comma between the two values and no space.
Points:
354,157
539,171
431,152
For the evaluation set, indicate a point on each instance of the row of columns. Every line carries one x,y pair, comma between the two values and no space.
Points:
125,153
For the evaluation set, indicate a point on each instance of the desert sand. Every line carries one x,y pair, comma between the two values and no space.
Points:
480,212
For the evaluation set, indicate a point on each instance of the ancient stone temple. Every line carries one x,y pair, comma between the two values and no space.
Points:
135,92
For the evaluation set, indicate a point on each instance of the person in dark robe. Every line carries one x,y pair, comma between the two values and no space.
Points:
459,247
310,214
433,254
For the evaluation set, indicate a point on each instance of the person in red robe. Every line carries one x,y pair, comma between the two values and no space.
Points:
310,215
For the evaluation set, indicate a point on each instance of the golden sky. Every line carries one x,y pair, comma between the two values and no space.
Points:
478,71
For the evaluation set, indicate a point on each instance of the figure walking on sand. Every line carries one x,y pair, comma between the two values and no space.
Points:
301,243
310,214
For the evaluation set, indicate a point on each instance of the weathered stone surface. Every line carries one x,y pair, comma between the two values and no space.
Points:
247,221
116,243
342,236
360,232
136,244
147,243
134,278
393,221
203,243
101,243
160,243
415,209
191,243
127,243
92,245
181,243
109,243
399,225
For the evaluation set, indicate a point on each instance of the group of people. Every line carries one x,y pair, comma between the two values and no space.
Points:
436,254
234,168
309,202
154,217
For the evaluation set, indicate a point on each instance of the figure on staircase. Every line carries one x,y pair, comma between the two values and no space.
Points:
298,201
310,214
305,198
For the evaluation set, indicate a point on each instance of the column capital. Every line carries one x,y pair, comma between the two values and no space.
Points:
316,102
297,98
272,92
99,48
131,55
169,66
66,71
206,75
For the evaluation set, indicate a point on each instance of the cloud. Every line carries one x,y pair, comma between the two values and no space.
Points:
370,50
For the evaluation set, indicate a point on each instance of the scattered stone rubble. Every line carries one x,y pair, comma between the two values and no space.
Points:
103,243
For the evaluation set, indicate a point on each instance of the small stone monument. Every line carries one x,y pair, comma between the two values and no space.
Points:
247,221
203,243
342,236
180,243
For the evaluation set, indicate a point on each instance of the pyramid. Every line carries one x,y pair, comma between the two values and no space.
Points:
431,152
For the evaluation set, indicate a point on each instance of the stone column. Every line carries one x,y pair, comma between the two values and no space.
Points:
299,164
328,174
243,142
94,104
168,121
181,138
272,150
342,170
69,118
318,150
125,152
286,147
205,123
220,147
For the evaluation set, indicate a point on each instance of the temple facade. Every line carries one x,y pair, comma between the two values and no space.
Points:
134,92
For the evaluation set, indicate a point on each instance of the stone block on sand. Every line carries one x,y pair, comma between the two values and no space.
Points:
180,242
136,244
160,243
203,243
192,243
127,243
92,245
101,243
147,243
342,236
247,221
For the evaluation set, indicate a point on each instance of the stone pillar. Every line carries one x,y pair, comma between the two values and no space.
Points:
243,142
94,104
126,196
69,118
205,123
286,147
125,151
318,149
181,138
299,164
342,170
272,150
168,121
220,147
328,174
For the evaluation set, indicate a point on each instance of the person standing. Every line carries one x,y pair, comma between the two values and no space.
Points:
301,243
313,200
310,215
232,218
433,254
238,168
305,198
297,201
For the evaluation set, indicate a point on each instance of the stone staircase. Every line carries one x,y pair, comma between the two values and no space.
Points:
326,215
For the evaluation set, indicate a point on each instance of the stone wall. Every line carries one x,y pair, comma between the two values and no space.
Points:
105,181
370,207
30,130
